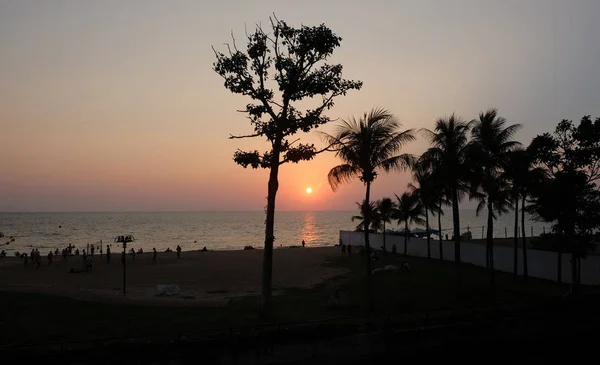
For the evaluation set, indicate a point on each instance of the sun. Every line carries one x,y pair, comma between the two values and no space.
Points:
308,190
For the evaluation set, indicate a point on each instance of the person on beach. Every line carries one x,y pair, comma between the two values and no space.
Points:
50,258
92,250
26,261
343,246
108,254
178,249
349,250
154,255
303,243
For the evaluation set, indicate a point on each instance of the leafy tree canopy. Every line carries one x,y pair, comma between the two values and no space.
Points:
277,70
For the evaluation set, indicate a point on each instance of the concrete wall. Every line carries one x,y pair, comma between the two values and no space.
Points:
541,264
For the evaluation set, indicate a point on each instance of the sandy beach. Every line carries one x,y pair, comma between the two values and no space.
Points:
205,278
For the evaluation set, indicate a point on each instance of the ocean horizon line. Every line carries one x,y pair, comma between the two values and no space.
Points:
177,211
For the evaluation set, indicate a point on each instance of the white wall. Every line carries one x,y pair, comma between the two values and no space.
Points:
540,264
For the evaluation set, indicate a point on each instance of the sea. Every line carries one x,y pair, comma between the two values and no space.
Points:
213,230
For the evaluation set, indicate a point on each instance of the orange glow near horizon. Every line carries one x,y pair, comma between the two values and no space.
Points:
105,107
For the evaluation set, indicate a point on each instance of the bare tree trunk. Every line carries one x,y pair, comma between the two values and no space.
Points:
440,230
578,270
427,232
406,237
574,283
384,248
267,271
524,239
456,221
490,244
367,222
559,256
516,240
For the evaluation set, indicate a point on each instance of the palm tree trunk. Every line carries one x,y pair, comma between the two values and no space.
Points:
490,244
427,232
516,239
405,238
578,270
456,221
267,271
559,257
440,230
574,285
367,221
384,249
524,239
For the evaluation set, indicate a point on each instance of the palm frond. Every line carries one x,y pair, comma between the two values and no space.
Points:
340,174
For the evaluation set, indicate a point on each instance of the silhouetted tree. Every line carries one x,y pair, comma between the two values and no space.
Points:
448,153
570,199
524,177
490,144
385,210
365,209
409,210
293,61
425,191
366,146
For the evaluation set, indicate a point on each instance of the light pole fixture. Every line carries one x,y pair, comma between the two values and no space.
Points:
124,240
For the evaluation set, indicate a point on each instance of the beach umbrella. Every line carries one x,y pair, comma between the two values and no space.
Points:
125,239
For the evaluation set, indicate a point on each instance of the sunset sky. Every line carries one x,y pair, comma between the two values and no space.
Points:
113,105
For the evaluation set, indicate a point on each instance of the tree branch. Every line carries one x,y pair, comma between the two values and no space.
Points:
231,136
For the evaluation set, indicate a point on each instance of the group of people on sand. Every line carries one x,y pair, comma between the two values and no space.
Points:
86,255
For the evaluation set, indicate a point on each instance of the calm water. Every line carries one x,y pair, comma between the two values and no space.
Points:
215,230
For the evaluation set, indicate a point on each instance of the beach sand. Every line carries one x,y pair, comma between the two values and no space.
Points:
205,278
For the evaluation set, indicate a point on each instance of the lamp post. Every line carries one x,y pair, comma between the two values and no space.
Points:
124,240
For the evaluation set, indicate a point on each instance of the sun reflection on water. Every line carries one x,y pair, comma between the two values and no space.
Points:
309,231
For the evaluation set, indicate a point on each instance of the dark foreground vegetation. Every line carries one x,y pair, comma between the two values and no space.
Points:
302,324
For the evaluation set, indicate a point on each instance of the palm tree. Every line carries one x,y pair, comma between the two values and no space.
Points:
513,172
385,210
448,156
495,196
409,210
425,193
365,209
366,146
491,142
437,191
524,176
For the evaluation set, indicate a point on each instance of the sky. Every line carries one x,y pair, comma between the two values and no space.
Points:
113,105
